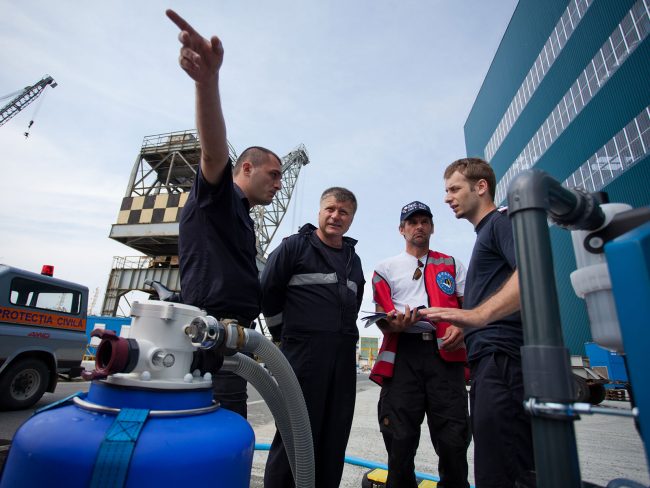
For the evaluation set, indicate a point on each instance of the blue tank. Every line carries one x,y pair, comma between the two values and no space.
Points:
195,446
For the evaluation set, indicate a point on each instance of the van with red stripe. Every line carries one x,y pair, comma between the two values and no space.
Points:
42,333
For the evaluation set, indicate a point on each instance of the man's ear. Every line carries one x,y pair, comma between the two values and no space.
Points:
482,187
246,168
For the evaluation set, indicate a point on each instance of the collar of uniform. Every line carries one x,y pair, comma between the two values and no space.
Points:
242,197
309,230
485,220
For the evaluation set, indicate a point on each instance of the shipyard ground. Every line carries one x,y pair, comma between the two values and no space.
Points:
609,447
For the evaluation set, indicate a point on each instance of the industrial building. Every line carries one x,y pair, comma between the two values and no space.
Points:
567,92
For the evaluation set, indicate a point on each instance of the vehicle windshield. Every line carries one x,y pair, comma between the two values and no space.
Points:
34,294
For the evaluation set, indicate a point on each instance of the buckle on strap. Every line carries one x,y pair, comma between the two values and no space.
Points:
427,336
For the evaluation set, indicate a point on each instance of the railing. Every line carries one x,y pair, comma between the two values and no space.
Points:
132,262
185,137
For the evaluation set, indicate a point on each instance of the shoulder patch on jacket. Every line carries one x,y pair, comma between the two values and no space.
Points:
446,282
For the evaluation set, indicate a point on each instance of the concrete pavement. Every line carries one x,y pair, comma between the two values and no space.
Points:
608,446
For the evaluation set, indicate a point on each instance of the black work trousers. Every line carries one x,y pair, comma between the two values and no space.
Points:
503,446
424,383
325,364
229,390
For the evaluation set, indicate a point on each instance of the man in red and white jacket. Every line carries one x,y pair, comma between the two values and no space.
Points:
420,365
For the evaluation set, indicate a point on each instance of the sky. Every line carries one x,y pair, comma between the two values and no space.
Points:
377,90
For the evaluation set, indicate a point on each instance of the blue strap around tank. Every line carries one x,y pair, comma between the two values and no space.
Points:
112,464
60,403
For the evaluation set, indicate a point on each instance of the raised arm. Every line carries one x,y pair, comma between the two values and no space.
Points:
201,59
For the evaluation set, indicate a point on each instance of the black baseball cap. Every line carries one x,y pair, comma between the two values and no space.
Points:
413,208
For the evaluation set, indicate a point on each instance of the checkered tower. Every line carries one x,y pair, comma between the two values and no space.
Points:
148,219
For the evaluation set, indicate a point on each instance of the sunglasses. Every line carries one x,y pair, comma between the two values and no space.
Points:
418,271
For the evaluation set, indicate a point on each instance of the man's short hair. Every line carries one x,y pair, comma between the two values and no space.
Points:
341,195
474,169
256,155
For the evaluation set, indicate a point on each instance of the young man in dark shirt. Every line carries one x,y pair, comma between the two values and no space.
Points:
503,450
216,234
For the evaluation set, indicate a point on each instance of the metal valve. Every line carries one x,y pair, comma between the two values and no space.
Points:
205,332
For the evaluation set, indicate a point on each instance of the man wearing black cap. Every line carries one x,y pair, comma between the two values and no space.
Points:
420,365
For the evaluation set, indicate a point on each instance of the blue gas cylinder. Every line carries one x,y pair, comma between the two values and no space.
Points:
184,441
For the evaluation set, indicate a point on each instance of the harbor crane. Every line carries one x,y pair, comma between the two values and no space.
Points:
21,98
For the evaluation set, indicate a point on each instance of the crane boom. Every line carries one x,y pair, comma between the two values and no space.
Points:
24,98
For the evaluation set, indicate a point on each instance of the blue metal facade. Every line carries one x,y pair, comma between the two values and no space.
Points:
567,92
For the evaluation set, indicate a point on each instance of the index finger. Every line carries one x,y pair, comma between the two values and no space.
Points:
431,312
180,22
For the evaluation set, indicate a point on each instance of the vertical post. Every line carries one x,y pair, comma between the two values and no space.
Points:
545,360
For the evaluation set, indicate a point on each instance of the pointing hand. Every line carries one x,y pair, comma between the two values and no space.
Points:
201,59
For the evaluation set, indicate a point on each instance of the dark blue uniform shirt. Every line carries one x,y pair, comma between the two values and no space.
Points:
217,250
492,263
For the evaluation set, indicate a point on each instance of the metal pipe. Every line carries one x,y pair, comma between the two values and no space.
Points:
536,278
545,360
556,452
574,410
571,208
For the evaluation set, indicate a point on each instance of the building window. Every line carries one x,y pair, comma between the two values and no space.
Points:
618,155
545,59
612,54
